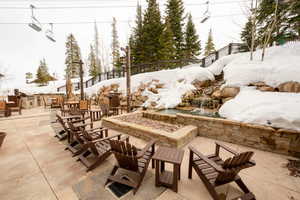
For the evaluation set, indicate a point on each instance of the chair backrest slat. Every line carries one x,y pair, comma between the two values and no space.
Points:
232,166
125,153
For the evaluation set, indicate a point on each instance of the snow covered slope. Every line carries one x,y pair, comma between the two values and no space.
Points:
281,64
275,109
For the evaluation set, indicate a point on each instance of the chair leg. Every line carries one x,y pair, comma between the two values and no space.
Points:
113,171
190,165
242,185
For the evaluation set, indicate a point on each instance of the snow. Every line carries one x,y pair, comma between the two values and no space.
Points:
176,83
276,109
281,64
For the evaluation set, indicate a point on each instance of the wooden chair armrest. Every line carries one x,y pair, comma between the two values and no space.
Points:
106,138
146,148
207,160
227,148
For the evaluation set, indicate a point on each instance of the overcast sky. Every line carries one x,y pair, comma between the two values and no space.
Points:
21,47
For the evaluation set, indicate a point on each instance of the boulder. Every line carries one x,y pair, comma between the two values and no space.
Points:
291,86
229,92
216,94
153,103
226,99
258,84
266,89
199,84
159,85
153,90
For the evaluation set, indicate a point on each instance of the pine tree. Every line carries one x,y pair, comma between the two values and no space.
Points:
152,29
175,12
97,49
28,76
72,57
167,43
209,45
246,37
92,65
115,46
192,44
42,75
135,41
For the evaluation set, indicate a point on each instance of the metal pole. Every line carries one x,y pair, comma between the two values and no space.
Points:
81,80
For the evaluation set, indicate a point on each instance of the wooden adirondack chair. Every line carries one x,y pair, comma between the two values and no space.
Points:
214,172
94,152
63,134
4,109
18,107
132,163
80,136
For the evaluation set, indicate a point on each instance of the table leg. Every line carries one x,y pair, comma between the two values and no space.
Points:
175,178
162,166
179,166
156,173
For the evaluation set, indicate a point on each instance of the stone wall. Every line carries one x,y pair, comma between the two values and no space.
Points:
176,139
172,119
258,136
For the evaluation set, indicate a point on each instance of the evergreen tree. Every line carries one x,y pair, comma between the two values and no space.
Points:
72,57
287,21
115,46
92,65
167,43
152,29
175,12
246,37
28,76
192,43
209,45
135,40
97,49
42,75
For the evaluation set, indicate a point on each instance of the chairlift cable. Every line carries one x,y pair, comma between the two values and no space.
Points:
111,6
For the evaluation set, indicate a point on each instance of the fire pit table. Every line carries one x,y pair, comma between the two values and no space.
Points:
167,178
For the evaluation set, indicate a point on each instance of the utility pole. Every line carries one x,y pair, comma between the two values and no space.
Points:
128,74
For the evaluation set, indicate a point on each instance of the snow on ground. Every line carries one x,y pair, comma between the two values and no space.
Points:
281,64
176,83
275,109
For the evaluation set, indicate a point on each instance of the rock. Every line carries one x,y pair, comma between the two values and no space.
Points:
266,88
180,80
160,85
291,86
258,84
199,84
216,94
154,90
208,91
229,92
226,99
153,103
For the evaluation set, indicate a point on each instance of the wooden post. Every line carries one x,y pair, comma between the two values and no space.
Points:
81,80
128,74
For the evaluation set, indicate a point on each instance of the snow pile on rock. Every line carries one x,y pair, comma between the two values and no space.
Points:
176,83
277,109
281,64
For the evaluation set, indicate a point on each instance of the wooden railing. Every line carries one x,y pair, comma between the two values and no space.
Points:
157,66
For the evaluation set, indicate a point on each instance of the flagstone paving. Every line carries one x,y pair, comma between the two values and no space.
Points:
35,166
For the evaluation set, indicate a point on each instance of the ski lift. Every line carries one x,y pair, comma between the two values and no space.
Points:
206,14
49,33
35,24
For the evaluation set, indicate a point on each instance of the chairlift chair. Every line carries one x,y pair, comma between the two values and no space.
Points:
35,24
206,14
49,33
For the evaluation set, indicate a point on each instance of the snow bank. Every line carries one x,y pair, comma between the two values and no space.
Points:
176,83
267,108
281,64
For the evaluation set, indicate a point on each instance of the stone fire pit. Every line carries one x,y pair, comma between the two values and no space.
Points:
141,125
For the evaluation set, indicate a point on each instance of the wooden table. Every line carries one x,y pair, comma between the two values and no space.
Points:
167,178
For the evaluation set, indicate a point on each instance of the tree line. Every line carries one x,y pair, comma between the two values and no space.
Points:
273,24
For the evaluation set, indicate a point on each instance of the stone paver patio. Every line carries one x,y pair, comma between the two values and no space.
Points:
35,166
